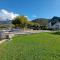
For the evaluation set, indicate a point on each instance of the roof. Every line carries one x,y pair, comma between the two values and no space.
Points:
54,20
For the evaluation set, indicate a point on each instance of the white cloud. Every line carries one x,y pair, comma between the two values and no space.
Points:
4,15
32,17
27,17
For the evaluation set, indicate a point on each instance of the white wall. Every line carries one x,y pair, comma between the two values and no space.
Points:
49,25
55,26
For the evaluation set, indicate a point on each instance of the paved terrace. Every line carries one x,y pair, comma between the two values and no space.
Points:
12,34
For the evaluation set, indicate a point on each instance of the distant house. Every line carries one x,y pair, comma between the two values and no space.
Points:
54,23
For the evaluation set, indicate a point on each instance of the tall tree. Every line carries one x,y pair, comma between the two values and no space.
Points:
20,21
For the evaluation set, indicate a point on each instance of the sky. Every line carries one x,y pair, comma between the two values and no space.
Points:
30,8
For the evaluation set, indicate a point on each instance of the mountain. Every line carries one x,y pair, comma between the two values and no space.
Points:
41,21
5,22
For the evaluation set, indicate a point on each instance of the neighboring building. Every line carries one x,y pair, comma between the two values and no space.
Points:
54,23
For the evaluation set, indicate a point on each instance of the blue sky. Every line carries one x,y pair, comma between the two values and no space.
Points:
32,8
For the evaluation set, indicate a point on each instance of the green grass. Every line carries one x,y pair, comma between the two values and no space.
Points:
43,46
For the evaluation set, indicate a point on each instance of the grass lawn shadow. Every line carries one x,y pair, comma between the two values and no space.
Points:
56,33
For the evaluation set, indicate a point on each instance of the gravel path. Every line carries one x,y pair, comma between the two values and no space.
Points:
11,34
3,41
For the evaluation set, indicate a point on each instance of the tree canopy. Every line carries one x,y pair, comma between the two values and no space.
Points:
20,21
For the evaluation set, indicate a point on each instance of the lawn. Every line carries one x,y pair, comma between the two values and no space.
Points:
42,46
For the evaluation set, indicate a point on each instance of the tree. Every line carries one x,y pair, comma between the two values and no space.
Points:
20,21
16,22
33,25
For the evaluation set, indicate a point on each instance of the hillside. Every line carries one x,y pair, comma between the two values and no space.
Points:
41,21
5,22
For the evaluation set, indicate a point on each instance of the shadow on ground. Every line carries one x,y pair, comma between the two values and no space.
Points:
56,33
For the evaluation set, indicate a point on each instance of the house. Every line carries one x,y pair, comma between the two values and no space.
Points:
54,23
